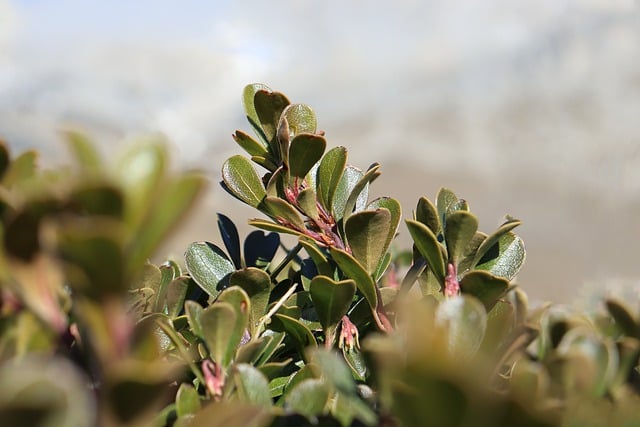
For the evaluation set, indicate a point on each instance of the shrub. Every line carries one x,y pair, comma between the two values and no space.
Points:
329,326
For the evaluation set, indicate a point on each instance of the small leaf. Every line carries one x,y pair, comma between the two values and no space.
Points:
248,96
208,266
282,212
491,240
356,193
305,151
354,270
218,325
331,299
252,385
319,259
230,238
309,397
308,203
349,180
367,233
194,311
250,145
301,119
463,321
187,400
505,257
394,208
83,151
242,181
176,294
428,246
260,248
329,174
301,335
269,107
460,229
257,284
484,286
271,226
444,200
427,214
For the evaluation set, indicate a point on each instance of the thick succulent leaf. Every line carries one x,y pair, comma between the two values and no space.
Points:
463,321
305,151
187,400
319,259
250,145
282,212
242,181
328,175
208,266
300,118
331,299
83,151
248,96
350,177
428,246
301,335
484,286
257,284
504,258
460,229
354,270
308,203
218,326
308,398
427,214
260,248
355,202
491,240
271,226
444,200
394,208
367,233
230,238
178,196
251,385
269,107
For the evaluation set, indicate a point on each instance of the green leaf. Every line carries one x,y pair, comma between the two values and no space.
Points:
187,400
248,96
623,318
331,299
333,369
301,335
231,239
319,259
194,311
305,151
504,258
329,174
444,201
257,284
367,233
208,266
218,326
282,212
394,208
252,386
460,229
271,226
176,294
230,414
241,180
20,169
427,214
355,201
250,145
491,240
308,203
354,270
350,178
5,158
300,118
98,199
83,151
239,300
463,321
484,286
309,397
428,246
269,107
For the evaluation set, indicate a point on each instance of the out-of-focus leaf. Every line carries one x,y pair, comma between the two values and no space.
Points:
328,176
193,310
98,199
463,321
20,169
218,327
252,386
305,151
5,158
333,369
83,151
187,400
427,244
460,229
505,257
331,299
227,414
367,233
242,181
309,397
208,266
231,239
623,318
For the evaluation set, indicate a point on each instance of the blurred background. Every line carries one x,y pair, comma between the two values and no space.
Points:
530,108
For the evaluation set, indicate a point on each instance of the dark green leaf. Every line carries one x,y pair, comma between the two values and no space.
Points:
282,212
355,201
176,294
394,208
305,151
491,240
350,178
504,258
193,310
257,284
354,270
427,214
252,385
319,259
242,181
231,239
294,329
460,229
428,246
367,233
309,397
331,299
187,400
248,96
444,200
269,107
218,327
250,145
5,158
332,369
271,226
308,203
484,286
623,318
208,266
328,175
260,248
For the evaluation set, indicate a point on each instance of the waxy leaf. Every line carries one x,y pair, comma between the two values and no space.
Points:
394,208
248,96
241,180
252,385
230,238
269,107
355,201
218,327
305,151
491,240
463,321
445,199
504,258
328,175
250,145
354,270
308,202
367,233
348,181
208,266
271,226
331,299
484,286
428,246
319,259
260,248
460,229
294,329
427,214
300,119
282,212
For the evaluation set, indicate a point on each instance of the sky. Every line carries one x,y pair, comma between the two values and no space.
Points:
528,107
